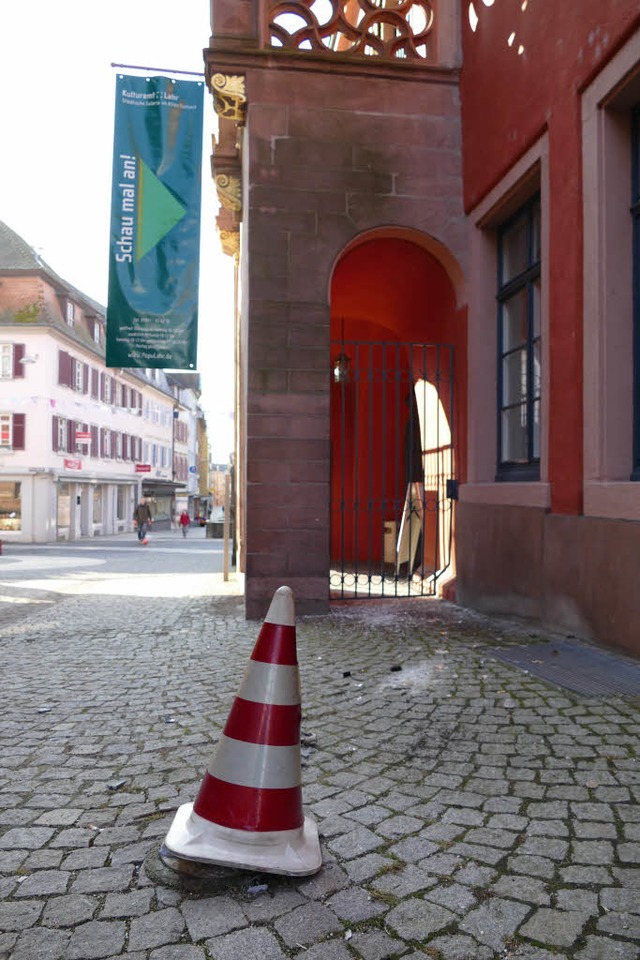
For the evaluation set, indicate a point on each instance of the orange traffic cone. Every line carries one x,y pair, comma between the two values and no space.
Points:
248,811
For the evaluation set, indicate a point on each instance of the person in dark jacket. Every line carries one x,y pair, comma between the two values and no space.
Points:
142,520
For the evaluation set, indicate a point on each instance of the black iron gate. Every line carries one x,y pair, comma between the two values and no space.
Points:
392,469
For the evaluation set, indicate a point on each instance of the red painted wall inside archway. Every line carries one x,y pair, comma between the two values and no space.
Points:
386,290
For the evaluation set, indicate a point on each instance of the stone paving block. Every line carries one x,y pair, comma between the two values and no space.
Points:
10,860
533,866
476,875
85,859
604,948
584,901
329,880
376,945
123,905
307,924
413,849
364,868
558,928
404,881
476,851
255,943
44,883
327,950
597,852
585,876
61,817
629,852
42,944
355,905
26,838
395,827
102,880
212,917
268,906
91,941
544,847
19,916
460,948
620,925
453,896
176,951
7,943
354,843
73,837
69,911
156,929
417,919
527,889
495,921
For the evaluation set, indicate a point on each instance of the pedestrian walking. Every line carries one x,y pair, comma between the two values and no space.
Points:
142,520
184,522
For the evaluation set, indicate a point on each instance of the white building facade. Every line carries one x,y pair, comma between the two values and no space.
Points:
79,443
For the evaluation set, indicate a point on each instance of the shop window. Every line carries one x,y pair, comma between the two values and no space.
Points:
64,506
122,503
519,344
10,506
97,505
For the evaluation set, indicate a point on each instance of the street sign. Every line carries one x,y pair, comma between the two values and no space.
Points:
83,435
193,469
70,464
143,468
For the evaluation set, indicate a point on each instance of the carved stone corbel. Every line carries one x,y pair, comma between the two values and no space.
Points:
230,242
229,97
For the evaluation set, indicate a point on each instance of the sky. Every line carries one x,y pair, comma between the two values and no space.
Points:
57,146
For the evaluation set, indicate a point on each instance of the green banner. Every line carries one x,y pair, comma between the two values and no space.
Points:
152,310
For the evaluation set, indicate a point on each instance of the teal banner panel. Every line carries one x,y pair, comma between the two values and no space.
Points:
154,250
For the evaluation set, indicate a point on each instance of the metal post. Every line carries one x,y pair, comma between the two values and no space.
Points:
225,529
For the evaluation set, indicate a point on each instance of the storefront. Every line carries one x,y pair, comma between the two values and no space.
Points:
161,495
10,506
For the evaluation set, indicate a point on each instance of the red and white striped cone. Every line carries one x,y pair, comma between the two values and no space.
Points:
248,811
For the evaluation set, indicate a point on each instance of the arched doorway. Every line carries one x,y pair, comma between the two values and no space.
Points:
398,346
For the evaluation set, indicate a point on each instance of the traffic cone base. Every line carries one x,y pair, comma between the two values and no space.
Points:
287,852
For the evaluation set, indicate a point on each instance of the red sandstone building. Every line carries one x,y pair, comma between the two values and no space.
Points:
434,209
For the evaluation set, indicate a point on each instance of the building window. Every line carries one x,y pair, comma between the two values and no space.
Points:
79,375
70,313
96,331
10,506
6,361
12,431
6,433
63,433
635,218
519,345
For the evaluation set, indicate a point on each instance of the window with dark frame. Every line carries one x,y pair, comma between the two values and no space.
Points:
635,214
519,345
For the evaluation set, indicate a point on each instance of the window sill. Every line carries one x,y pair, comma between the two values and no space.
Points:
615,500
507,494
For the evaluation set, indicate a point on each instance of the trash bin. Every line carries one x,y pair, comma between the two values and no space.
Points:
209,525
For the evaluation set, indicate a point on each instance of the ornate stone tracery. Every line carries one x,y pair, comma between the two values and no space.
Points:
386,29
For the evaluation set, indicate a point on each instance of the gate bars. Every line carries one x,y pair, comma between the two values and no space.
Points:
392,468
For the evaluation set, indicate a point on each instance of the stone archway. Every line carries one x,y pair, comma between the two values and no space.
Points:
395,323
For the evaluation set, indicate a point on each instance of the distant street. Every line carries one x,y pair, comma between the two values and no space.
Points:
37,575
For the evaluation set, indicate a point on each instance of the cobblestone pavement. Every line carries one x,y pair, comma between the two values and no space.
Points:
467,810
